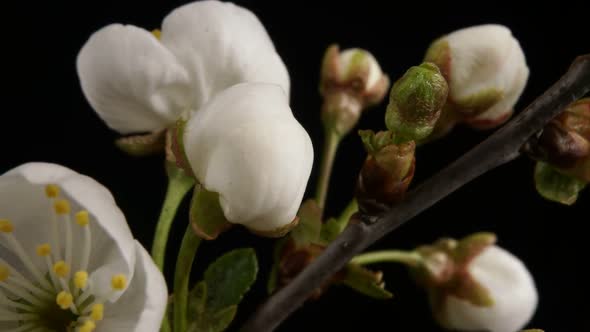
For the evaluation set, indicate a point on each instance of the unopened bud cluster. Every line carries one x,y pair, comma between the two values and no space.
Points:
351,80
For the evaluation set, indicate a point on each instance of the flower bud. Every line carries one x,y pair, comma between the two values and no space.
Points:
386,173
350,81
475,285
246,146
415,102
486,70
565,141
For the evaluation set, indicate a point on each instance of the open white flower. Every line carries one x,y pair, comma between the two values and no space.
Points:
68,261
138,81
510,286
246,146
486,70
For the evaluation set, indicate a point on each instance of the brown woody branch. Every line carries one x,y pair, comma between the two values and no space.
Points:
500,148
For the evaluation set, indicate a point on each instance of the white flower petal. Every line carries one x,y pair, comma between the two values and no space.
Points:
246,145
142,307
486,57
131,80
22,199
221,44
512,288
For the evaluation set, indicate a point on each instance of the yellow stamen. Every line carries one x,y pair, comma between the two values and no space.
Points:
119,282
157,33
62,206
4,273
82,218
64,300
51,190
6,226
97,312
81,279
61,269
88,326
44,249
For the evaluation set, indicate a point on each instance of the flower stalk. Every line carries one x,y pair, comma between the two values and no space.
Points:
179,185
410,258
184,263
331,142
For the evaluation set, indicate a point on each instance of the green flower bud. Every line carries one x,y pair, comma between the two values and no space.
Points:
415,102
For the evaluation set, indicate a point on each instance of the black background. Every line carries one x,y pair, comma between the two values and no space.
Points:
46,118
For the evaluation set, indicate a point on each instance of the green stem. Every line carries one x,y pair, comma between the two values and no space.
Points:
342,221
410,258
165,324
179,185
331,142
186,256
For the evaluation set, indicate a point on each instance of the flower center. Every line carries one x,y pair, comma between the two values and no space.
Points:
54,296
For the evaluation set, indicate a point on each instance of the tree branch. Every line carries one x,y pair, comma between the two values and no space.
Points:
500,148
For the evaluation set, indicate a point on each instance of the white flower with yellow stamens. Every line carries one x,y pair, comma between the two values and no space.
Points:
68,260
139,81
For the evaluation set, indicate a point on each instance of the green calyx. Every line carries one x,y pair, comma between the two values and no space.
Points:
415,102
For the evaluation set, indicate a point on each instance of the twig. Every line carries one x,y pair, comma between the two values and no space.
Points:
500,148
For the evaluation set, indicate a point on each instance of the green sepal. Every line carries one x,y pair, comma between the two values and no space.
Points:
310,224
556,186
374,142
206,215
142,145
366,282
479,102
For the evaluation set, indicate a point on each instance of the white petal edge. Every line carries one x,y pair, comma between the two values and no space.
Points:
221,44
512,288
142,307
131,80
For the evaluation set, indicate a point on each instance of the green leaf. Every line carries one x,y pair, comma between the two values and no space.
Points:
310,224
197,300
555,186
366,282
216,322
206,215
229,278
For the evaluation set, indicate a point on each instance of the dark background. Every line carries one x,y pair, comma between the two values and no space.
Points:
46,118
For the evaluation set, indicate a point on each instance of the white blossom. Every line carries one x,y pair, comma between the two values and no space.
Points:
139,81
68,259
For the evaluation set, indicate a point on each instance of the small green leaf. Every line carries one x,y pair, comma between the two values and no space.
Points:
556,186
206,215
366,282
310,224
229,278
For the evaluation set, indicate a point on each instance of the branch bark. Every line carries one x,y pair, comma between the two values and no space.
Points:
498,149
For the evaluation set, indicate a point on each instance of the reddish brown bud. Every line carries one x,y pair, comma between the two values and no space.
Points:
386,173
